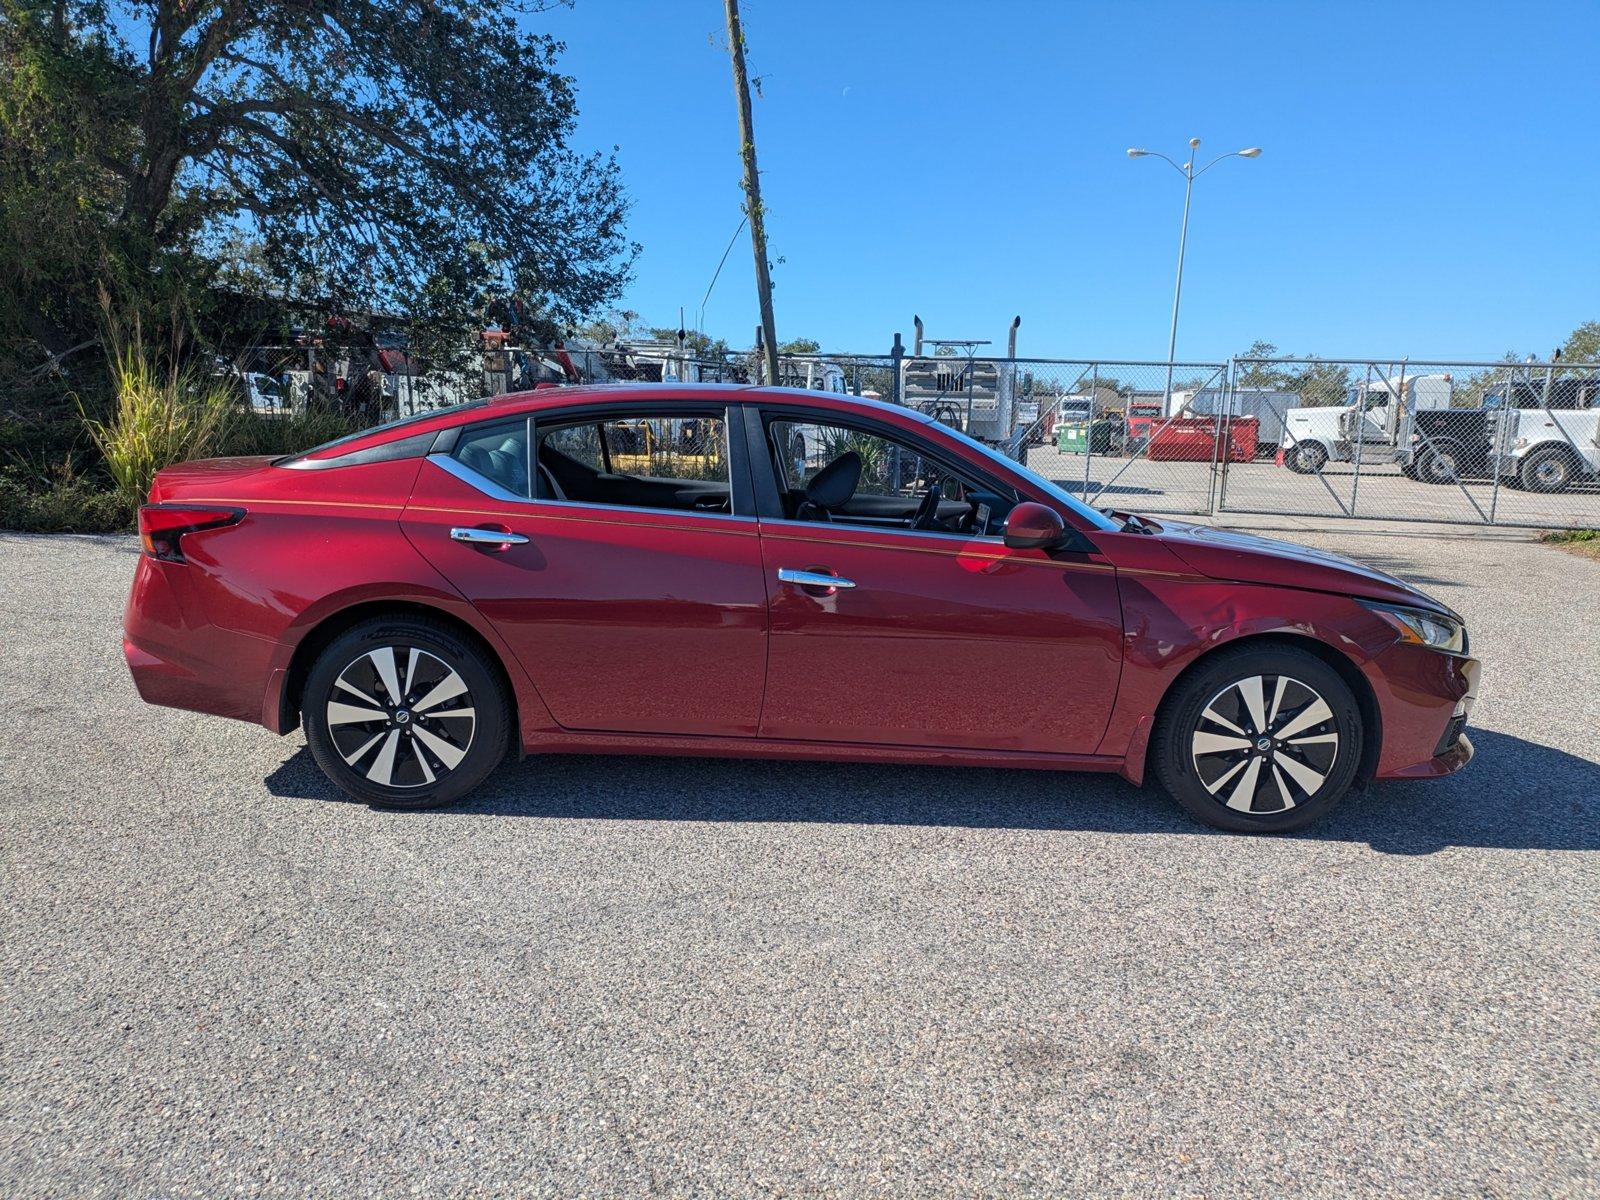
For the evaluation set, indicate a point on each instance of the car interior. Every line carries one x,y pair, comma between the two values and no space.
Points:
825,473
867,479
672,463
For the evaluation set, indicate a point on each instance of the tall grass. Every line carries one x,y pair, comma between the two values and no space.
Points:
162,412
288,432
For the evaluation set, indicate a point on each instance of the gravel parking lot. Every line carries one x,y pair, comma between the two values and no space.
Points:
1264,487
642,976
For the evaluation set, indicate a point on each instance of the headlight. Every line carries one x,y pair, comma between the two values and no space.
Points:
1422,627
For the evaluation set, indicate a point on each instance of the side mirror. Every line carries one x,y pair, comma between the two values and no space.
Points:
1032,526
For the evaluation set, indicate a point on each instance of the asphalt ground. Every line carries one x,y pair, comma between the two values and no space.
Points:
628,977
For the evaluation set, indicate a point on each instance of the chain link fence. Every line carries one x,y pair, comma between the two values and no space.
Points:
1407,440
1397,439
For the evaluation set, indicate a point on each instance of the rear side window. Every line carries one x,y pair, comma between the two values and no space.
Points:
677,462
498,452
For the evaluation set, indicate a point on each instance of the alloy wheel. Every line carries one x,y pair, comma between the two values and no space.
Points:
402,717
1265,744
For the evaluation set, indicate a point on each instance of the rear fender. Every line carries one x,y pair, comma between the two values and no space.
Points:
276,713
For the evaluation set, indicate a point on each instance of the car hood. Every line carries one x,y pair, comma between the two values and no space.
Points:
1245,558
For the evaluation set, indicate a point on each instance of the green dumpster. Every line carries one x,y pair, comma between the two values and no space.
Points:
1072,437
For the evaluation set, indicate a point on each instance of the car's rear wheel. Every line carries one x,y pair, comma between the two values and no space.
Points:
404,712
1259,740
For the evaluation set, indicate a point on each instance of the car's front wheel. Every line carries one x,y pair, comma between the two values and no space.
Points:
404,712
1259,740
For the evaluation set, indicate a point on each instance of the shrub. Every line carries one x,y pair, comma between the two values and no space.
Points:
161,413
290,433
65,504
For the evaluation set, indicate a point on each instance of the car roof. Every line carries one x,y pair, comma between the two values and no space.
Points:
513,404
689,393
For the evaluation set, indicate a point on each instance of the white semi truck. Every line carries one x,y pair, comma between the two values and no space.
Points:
1548,448
1374,422
979,396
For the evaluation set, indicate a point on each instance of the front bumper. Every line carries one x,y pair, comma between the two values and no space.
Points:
1448,763
1425,698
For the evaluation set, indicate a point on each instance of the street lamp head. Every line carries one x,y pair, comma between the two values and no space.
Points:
1253,152
1132,153
1194,143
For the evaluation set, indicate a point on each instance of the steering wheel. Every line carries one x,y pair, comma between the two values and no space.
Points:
928,511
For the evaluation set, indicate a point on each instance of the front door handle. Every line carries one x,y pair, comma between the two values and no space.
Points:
487,537
812,579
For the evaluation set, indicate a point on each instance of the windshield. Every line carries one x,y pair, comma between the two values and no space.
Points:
1094,517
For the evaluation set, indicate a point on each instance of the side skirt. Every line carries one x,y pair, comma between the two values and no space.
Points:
728,747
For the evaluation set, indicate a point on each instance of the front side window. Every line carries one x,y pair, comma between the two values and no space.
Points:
856,476
640,461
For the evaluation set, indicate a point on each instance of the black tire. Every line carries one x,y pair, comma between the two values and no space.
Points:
1439,465
1193,757
1550,469
421,736
1306,458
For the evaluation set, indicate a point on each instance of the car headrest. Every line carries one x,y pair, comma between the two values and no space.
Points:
835,483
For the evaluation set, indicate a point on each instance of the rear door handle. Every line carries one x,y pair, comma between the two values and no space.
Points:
814,579
487,537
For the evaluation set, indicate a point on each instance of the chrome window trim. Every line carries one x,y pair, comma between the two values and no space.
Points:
997,539
495,492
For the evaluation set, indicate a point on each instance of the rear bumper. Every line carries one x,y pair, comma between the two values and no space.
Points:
178,659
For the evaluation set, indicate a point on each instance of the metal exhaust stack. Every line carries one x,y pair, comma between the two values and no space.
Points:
1011,341
916,341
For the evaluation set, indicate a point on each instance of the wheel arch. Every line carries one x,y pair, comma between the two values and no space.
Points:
1342,664
323,634
1560,446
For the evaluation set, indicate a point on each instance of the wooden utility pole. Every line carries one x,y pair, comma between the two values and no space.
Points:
752,191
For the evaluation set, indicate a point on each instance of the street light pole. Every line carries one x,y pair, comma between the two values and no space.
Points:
1189,176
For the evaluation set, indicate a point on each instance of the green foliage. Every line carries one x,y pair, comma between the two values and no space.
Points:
1318,383
1583,344
248,433
60,505
873,451
163,413
403,155
1571,535
800,346
699,345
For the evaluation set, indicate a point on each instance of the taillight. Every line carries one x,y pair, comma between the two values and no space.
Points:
161,526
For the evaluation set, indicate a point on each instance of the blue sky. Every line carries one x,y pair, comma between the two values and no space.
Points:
1429,183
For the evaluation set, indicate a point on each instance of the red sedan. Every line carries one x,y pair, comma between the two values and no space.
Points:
762,572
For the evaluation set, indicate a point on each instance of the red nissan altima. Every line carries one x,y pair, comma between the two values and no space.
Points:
745,571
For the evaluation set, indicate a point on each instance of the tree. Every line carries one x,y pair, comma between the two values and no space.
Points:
800,346
1583,344
1257,374
700,345
407,156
